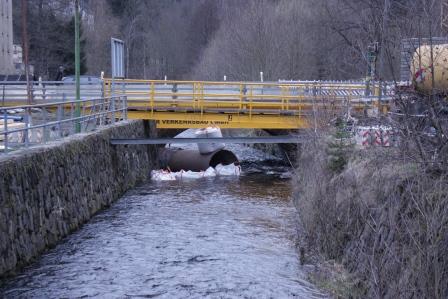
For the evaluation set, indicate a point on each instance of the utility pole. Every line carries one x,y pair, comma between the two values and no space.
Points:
24,11
77,69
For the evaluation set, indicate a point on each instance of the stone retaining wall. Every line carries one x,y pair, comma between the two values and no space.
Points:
47,192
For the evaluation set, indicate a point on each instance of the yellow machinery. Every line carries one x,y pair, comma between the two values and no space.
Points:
425,60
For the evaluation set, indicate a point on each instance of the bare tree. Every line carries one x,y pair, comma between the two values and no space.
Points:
98,30
260,36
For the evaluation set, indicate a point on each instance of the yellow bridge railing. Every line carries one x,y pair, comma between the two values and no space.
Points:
187,104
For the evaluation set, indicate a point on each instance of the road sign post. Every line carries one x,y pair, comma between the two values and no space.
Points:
117,64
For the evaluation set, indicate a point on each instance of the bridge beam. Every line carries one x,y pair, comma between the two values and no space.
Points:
245,140
183,120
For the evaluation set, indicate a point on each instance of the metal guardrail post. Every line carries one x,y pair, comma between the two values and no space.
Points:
113,109
120,103
32,92
5,124
107,103
27,130
71,116
82,120
106,110
103,83
94,111
112,88
125,107
44,96
102,109
59,117
123,88
3,95
44,129
174,91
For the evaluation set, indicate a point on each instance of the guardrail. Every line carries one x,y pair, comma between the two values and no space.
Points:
242,97
180,104
27,125
13,93
202,95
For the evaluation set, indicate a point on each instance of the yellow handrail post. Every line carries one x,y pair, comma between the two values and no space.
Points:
282,97
193,97
152,98
201,88
104,88
241,96
250,101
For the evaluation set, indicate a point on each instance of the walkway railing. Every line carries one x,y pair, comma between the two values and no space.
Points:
26,125
242,97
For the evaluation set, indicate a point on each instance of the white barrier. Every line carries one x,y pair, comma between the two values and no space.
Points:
367,136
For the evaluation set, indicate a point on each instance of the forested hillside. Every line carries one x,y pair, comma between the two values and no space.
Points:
207,39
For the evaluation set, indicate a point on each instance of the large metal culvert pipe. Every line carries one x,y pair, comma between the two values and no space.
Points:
181,159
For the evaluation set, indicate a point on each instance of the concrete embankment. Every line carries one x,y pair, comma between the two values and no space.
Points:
49,191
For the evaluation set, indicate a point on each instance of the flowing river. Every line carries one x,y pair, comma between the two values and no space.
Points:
223,237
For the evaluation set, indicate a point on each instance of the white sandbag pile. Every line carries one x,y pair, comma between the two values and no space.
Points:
230,169
162,175
220,170
210,172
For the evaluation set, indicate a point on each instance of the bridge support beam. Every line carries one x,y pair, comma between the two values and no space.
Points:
184,120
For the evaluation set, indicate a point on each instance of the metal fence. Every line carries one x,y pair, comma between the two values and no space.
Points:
26,125
13,93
